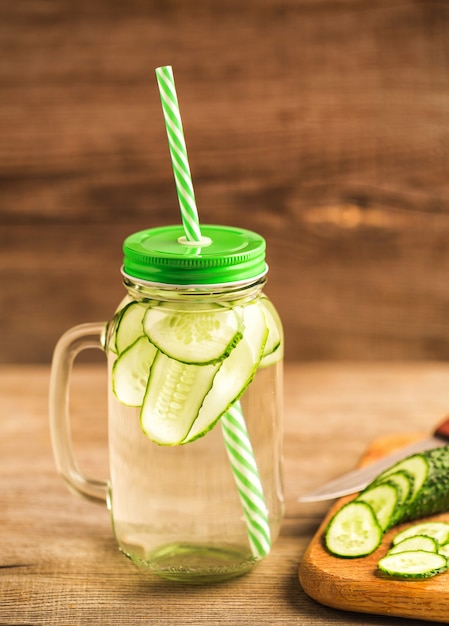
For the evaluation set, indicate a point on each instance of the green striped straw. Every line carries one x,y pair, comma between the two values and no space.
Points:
178,153
235,434
247,479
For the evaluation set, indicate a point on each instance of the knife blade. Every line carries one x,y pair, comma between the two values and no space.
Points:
358,479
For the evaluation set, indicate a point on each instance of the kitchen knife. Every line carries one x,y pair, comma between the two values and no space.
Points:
356,480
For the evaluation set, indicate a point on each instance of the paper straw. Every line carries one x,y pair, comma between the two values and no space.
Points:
237,443
178,153
246,475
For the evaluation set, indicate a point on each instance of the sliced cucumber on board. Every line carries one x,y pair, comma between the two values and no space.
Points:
404,481
384,499
429,495
439,531
416,465
354,531
415,542
413,564
416,552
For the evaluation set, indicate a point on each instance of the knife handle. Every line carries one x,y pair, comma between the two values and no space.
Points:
443,429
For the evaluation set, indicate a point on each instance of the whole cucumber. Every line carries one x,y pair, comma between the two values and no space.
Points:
433,496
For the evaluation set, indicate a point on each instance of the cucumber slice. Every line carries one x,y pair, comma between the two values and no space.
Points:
206,335
444,550
404,481
174,395
109,335
437,530
417,542
413,564
131,370
235,374
417,465
129,326
274,347
353,531
384,500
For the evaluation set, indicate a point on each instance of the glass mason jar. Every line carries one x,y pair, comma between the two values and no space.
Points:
194,355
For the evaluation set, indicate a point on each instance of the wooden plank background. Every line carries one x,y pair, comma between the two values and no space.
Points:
322,124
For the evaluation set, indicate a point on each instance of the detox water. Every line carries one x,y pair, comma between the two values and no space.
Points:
176,509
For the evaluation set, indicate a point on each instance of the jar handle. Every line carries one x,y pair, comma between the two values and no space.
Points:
70,344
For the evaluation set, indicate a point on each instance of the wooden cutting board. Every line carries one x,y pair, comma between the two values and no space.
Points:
355,584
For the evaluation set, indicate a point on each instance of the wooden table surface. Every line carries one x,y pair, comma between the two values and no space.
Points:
58,560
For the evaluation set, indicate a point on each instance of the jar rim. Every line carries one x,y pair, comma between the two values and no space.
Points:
182,287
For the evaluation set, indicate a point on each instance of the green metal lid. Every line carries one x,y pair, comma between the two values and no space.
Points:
225,255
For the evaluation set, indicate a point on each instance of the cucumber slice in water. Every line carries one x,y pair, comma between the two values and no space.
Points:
235,374
274,346
129,327
444,550
173,397
206,335
131,370
182,401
